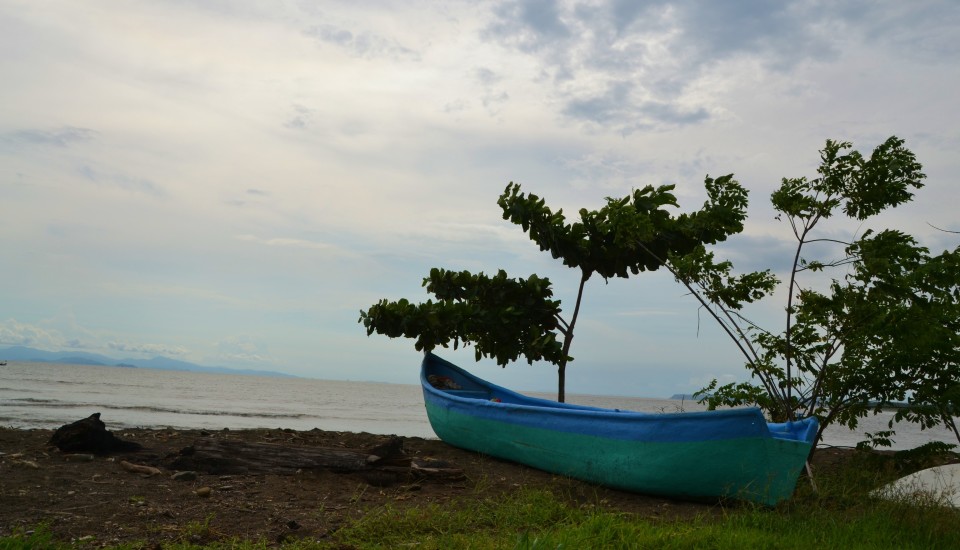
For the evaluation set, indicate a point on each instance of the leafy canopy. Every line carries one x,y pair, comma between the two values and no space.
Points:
631,234
506,318
884,329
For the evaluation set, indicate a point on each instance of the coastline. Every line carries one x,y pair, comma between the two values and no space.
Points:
94,495
86,497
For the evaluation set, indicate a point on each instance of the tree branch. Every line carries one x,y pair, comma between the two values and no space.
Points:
945,231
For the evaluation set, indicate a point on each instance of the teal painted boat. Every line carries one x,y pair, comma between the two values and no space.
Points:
732,453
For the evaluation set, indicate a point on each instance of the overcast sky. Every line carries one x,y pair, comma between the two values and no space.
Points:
230,182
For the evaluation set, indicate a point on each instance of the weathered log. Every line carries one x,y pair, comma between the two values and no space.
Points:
224,456
380,465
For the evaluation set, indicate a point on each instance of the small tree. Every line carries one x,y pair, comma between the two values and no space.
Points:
885,331
906,307
506,318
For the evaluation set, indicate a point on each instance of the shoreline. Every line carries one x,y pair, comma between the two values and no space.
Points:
92,495
87,497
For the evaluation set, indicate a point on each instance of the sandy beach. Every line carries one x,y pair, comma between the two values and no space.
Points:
84,497
139,496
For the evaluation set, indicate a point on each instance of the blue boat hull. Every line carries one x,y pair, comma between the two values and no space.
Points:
731,453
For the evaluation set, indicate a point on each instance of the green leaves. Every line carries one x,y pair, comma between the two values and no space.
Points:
631,234
716,282
887,330
905,310
865,187
502,318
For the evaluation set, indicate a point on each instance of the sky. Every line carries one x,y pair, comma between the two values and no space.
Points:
229,182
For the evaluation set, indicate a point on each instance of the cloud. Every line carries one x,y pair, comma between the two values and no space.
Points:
603,108
456,106
174,292
603,171
493,102
300,119
629,65
14,333
148,349
487,77
921,31
363,44
121,181
780,33
240,348
529,25
672,114
64,136
287,242
251,195
619,106
485,234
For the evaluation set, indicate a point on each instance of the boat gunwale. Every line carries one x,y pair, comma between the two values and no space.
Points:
539,404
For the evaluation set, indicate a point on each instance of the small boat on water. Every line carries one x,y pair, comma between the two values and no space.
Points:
733,453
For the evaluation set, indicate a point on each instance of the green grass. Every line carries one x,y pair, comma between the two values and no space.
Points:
840,515
542,520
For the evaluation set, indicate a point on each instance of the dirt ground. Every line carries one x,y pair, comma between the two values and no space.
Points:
94,499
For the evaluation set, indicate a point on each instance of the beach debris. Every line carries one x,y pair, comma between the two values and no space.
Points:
204,492
381,465
25,463
90,435
79,457
146,471
187,475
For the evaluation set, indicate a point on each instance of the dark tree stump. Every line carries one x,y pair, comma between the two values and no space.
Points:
90,435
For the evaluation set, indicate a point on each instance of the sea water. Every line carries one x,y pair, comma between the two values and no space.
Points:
48,395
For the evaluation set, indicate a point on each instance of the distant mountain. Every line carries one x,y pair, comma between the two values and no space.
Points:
21,353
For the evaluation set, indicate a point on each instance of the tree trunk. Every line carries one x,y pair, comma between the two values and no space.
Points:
561,382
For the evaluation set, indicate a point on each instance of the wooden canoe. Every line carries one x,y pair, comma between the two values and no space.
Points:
733,453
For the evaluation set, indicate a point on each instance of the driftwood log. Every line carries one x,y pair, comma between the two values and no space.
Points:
90,435
381,465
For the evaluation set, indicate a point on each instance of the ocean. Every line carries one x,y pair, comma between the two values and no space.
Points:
48,395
